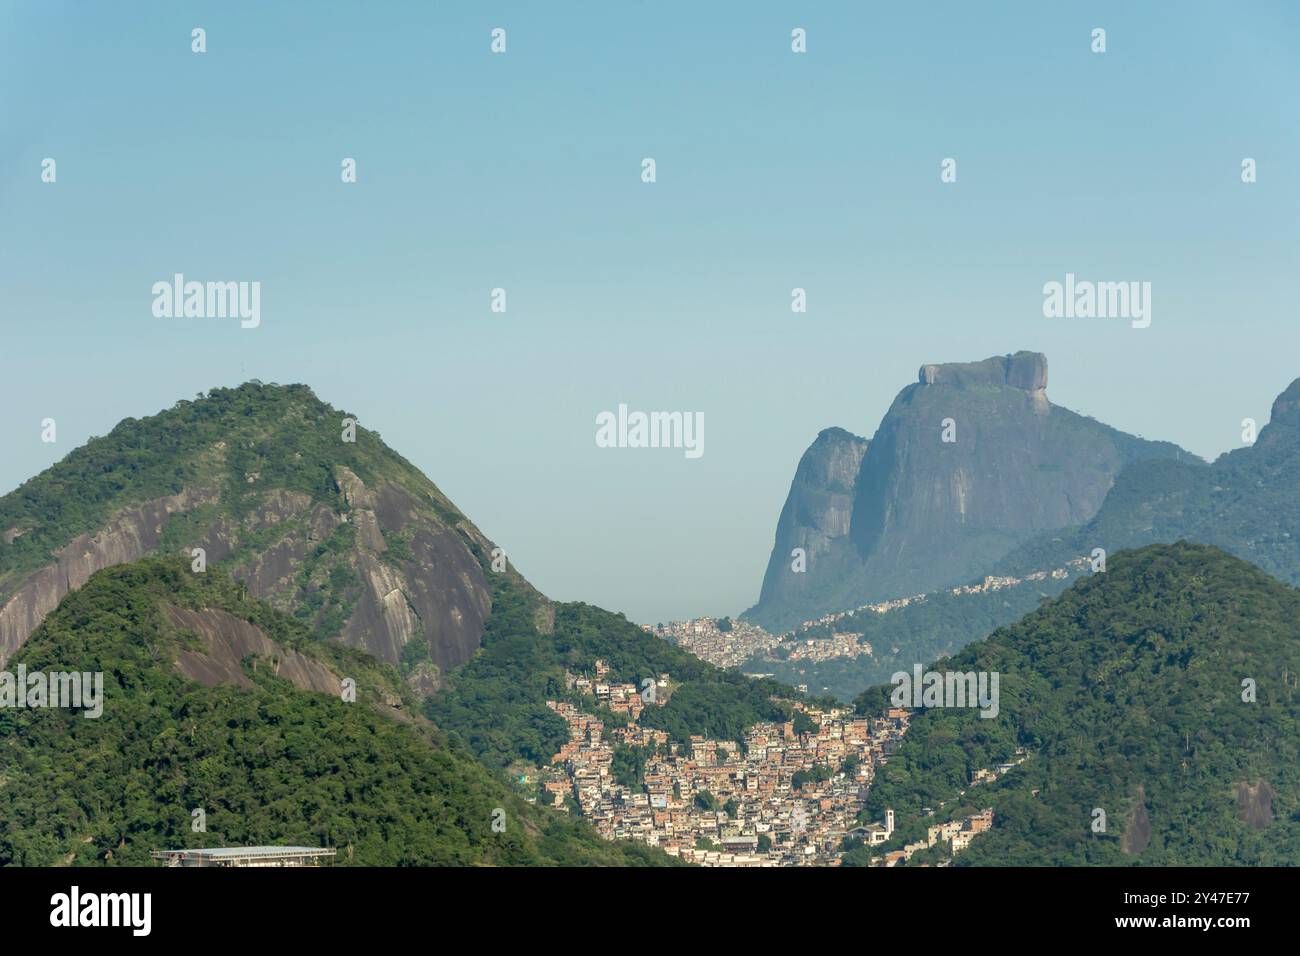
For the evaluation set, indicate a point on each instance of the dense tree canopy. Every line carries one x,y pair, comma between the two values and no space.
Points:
268,765
1127,693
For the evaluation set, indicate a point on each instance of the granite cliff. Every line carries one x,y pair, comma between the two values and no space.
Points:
217,704
311,512
816,520
969,462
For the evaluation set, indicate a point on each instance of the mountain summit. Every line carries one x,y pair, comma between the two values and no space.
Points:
312,512
969,461
1026,370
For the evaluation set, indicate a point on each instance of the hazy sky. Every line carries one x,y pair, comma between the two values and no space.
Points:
523,171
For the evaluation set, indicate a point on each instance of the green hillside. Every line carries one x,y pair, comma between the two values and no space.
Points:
290,495
269,763
941,624
1246,502
218,440
497,702
1127,693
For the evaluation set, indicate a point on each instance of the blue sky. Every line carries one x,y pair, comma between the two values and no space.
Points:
522,171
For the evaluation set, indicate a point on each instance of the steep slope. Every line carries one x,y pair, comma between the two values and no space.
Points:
216,702
940,624
497,702
347,535
816,519
1127,693
1247,503
969,462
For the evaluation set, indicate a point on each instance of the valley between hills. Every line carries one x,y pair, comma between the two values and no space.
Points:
304,639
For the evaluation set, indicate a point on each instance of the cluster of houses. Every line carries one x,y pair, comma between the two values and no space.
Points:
779,797
620,698
728,645
990,583
880,607
957,833
988,776
838,644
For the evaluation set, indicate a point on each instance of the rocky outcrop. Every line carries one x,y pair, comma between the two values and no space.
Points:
816,518
336,529
1137,828
1280,438
1024,370
131,535
269,567
1286,407
967,464
277,507
438,594
227,641
1255,803
270,574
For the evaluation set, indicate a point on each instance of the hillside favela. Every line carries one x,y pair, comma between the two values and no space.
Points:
844,442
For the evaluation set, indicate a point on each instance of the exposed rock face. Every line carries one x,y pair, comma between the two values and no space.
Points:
1137,830
1284,422
967,463
439,595
436,593
816,517
272,495
227,641
1013,465
129,537
1286,407
1256,803
1026,370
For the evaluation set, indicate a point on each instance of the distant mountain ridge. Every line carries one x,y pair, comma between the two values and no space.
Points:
1246,502
968,463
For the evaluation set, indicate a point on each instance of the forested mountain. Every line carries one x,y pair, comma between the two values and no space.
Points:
320,557
497,702
940,624
312,511
216,702
1163,692
1246,502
